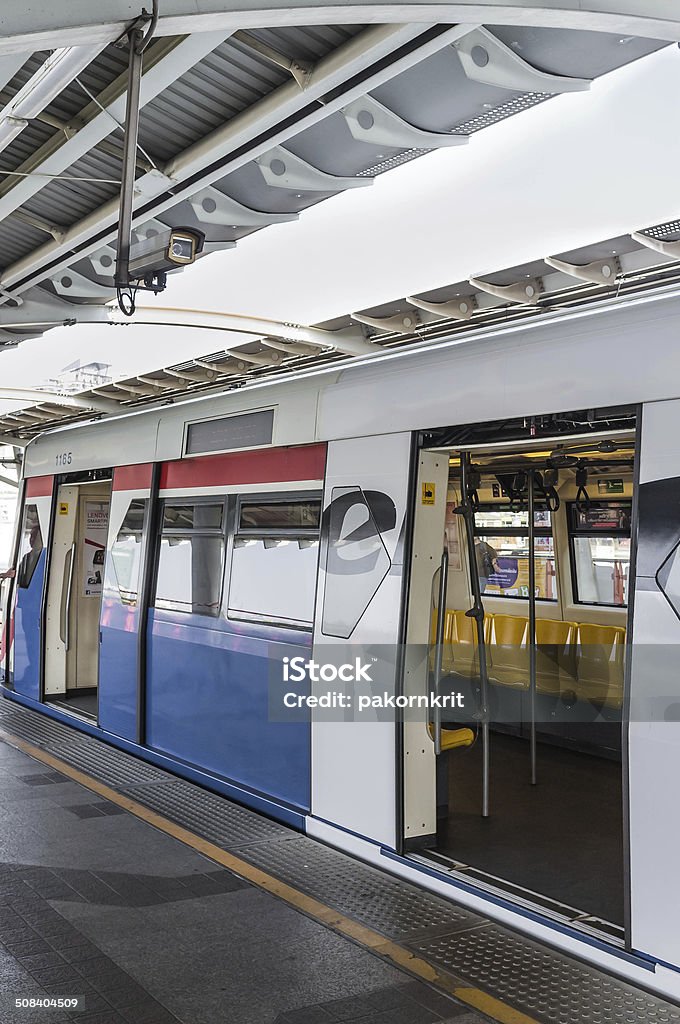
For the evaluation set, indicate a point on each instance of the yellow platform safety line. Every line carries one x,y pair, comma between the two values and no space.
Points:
487,1004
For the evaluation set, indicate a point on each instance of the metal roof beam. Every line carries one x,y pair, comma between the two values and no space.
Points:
282,169
165,62
13,440
455,309
370,121
669,249
400,323
486,59
70,401
85,21
301,70
525,292
597,272
273,117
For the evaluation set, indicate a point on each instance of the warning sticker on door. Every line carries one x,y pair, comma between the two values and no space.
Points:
94,546
428,494
63,508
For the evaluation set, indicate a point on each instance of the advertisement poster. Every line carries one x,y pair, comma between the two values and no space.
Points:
94,546
452,537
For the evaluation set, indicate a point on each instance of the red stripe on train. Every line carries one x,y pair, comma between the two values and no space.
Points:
269,465
39,486
132,478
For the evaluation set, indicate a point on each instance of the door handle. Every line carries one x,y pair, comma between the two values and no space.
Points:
439,649
65,630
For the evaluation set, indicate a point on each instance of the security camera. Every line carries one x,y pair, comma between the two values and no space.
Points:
153,258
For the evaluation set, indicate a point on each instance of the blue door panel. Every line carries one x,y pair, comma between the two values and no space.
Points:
208,703
26,677
118,668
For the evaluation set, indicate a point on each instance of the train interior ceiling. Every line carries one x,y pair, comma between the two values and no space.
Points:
529,779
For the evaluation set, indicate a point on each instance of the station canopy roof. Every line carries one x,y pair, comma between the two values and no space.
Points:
248,116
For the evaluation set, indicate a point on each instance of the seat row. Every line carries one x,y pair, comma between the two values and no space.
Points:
578,660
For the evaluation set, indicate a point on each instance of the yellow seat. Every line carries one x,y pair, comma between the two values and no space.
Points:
555,655
599,668
509,651
453,738
461,653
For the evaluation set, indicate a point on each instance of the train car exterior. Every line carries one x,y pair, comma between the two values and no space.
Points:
171,561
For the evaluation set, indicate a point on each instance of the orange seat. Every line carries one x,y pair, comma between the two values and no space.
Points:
599,667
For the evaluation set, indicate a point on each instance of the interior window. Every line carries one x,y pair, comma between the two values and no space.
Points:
600,547
502,552
126,553
31,546
274,561
191,556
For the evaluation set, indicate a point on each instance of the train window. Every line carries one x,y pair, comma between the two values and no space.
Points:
31,546
502,552
600,552
274,561
190,517
261,516
191,556
126,553
245,430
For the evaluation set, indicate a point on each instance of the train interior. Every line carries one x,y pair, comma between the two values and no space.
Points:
74,595
529,790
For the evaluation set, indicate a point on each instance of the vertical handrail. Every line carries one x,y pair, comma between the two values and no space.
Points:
532,625
439,649
69,588
477,613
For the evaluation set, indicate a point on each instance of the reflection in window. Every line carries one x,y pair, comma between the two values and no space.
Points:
502,553
602,566
126,553
31,546
273,567
279,515
189,577
274,579
356,561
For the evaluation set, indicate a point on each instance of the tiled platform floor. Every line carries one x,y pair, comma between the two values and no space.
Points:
98,904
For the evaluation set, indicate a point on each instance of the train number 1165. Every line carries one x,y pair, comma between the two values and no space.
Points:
64,459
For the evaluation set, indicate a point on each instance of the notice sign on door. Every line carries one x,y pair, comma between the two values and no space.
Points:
428,494
94,546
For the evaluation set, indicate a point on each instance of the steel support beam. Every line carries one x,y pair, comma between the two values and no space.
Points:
350,342
266,116
165,62
28,27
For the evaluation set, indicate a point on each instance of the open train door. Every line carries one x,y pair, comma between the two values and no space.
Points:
25,600
420,762
74,590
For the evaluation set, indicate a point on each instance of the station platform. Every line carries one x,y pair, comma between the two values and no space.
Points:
154,901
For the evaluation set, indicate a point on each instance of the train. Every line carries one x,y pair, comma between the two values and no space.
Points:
494,517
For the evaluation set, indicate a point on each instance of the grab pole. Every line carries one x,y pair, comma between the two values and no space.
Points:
477,613
532,627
